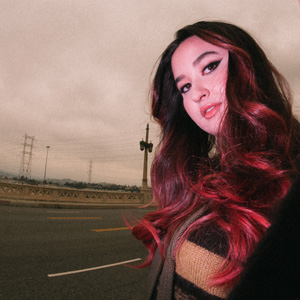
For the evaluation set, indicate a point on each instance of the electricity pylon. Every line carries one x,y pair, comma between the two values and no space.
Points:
25,167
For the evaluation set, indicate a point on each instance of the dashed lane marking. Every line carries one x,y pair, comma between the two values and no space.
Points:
95,268
110,229
61,212
74,218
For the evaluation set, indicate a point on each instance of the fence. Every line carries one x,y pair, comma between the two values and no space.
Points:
13,191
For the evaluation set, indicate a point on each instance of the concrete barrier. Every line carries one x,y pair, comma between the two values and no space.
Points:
13,192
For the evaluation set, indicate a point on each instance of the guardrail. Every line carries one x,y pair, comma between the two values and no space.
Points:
13,191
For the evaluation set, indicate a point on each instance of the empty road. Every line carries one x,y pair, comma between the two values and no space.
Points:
69,254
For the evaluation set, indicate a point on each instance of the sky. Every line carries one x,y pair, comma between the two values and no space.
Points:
75,75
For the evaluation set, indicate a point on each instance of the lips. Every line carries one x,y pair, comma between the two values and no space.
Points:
209,110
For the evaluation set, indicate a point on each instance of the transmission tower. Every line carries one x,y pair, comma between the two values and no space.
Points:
25,167
90,167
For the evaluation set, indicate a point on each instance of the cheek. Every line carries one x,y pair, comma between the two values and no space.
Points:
188,107
219,89
219,86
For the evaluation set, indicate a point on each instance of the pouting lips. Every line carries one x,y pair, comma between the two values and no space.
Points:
209,110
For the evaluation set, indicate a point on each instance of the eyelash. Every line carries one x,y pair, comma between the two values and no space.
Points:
213,65
182,90
210,67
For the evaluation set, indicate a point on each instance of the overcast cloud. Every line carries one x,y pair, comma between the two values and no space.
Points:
75,74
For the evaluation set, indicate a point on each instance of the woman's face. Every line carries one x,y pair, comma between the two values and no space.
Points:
200,70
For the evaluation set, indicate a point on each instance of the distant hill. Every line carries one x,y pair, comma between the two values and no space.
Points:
68,180
56,181
7,174
61,181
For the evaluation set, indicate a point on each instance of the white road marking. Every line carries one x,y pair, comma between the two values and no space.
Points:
95,268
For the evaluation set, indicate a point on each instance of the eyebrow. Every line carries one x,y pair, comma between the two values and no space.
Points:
196,62
200,57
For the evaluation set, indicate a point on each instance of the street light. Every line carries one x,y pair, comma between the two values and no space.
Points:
145,146
47,147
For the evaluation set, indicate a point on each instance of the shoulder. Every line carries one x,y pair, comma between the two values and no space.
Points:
212,238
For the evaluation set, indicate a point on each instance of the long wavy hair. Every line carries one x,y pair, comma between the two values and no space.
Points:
240,174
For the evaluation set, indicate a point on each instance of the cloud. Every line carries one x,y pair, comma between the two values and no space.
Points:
76,75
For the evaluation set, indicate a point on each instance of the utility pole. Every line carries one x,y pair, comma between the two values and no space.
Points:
145,146
47,147
90,172
25,167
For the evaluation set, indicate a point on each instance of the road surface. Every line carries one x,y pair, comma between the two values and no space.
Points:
69,254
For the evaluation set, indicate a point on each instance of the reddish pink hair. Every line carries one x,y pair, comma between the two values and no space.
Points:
253,167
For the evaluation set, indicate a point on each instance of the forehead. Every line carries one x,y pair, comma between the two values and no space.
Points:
192,47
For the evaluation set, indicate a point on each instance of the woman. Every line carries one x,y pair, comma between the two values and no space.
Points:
226,160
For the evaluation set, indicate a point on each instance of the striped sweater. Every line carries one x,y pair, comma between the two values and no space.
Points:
187,276
197,260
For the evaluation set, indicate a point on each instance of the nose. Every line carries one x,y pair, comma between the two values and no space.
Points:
200,94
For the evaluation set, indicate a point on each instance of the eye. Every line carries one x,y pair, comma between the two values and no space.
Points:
185,88
211,67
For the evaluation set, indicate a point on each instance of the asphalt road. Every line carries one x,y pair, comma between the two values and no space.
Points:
37,245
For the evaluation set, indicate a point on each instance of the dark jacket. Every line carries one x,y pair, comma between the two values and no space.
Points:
273,271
